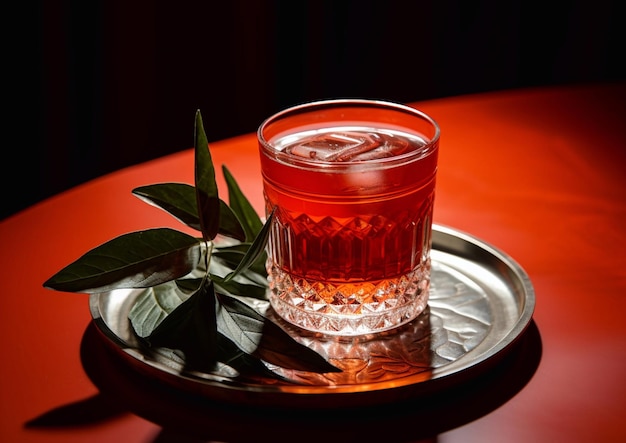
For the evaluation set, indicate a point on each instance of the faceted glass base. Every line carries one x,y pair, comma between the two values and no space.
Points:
352,308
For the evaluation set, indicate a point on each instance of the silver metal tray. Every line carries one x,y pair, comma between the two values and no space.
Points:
480,302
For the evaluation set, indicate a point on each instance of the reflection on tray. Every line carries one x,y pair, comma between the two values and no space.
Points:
399,353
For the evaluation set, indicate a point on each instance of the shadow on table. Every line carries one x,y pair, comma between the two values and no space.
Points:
186,417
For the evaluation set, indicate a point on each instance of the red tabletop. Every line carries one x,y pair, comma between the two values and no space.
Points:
538,173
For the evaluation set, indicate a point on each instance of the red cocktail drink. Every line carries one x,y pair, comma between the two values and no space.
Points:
352,185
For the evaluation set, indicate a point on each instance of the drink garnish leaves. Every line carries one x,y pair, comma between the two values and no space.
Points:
193,305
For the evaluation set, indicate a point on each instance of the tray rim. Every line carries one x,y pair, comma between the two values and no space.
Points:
526,312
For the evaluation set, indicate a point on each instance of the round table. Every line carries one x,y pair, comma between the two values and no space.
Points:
538,173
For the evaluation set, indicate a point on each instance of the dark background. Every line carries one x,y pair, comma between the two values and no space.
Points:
98,85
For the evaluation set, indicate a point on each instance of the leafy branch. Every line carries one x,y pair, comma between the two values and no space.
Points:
192,303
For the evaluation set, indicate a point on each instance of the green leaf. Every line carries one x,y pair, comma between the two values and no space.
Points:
229,223
247,282
206,186
233,255
179,199
241,206
153,305
247,365
238,288
134,260
192,329
259,337
189,285
256,250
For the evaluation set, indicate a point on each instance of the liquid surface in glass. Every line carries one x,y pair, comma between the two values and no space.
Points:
348,144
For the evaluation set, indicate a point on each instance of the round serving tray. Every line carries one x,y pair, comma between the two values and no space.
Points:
480,302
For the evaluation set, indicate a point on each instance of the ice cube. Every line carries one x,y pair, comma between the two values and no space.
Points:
389,146
335,146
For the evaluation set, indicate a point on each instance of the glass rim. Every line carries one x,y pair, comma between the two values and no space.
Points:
428,148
